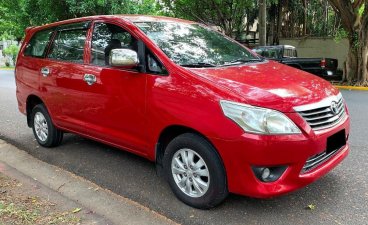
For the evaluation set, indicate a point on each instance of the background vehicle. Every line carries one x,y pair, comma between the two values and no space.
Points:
326,68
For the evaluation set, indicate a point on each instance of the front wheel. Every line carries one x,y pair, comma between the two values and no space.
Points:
46,133
195,171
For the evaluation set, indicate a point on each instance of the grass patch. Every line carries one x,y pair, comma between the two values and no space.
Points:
20,209
17,213
7,67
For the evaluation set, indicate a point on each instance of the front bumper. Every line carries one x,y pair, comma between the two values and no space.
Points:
278,150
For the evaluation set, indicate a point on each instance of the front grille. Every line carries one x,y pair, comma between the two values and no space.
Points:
334,143
323,115
317,160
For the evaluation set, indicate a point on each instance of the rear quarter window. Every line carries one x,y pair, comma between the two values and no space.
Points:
69,46
36,47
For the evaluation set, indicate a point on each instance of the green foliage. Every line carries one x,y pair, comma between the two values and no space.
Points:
8,26
361,9
17,15
340,34
228,15
5,35
11,51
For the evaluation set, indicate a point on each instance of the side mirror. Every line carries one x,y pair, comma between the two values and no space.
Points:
123,57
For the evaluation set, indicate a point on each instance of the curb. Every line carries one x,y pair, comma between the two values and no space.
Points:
103,202
356,88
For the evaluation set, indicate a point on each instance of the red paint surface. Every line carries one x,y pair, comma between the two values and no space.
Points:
129,109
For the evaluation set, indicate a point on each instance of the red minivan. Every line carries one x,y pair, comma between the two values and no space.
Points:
215,117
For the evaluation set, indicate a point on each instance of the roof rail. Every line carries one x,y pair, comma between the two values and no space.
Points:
28,29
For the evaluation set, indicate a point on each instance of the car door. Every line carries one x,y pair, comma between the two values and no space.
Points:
63,85
116,111
30,66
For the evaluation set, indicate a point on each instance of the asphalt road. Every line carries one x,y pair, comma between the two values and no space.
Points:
341,197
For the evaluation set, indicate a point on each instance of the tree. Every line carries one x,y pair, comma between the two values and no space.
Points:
9,26
229,15
301,18
262,22
12,51
354,18
17,15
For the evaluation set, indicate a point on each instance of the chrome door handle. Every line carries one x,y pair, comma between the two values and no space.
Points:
89,78
45,71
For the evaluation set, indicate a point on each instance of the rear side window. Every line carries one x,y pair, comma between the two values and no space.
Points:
69,46
36,47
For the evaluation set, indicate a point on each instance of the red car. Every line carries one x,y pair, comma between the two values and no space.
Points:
214,116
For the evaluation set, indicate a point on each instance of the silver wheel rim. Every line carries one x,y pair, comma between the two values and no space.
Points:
40,126
190,172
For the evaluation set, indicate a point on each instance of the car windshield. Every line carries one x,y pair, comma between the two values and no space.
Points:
194,45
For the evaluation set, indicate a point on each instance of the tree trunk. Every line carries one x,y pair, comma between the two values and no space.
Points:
262,22
356,65
305,18
278,23
363,55
356,24
351,63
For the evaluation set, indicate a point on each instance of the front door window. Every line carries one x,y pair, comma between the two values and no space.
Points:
107,37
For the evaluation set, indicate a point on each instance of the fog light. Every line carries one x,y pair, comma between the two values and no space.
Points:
269,174
266,173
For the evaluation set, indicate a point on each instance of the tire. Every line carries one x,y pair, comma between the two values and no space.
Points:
47,135
187,179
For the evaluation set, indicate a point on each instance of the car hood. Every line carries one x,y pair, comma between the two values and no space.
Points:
269,84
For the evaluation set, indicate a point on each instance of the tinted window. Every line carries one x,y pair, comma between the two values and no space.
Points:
258,51
107,37
271,53
69,46
193,44
37,45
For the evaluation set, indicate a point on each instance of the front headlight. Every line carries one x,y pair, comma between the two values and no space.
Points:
258,120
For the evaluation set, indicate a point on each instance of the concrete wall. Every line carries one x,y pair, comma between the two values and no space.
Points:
319,47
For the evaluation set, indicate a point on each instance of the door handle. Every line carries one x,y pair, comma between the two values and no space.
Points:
89,78
45,71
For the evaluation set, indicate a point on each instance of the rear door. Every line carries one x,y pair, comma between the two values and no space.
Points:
63,86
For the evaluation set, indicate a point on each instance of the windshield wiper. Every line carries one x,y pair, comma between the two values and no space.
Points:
198,65
240,61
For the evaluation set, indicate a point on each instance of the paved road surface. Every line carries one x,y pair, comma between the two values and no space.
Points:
341,197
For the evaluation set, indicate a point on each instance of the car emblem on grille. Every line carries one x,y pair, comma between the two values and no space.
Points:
334,108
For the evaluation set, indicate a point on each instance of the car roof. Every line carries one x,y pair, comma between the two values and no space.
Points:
128,17
145,18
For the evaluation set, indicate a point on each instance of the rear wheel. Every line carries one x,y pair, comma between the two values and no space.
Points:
195,171
46,133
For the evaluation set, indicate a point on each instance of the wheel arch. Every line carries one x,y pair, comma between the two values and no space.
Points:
172,131
32,101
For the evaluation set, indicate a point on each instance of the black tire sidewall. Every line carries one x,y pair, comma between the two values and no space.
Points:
217,190
51,132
